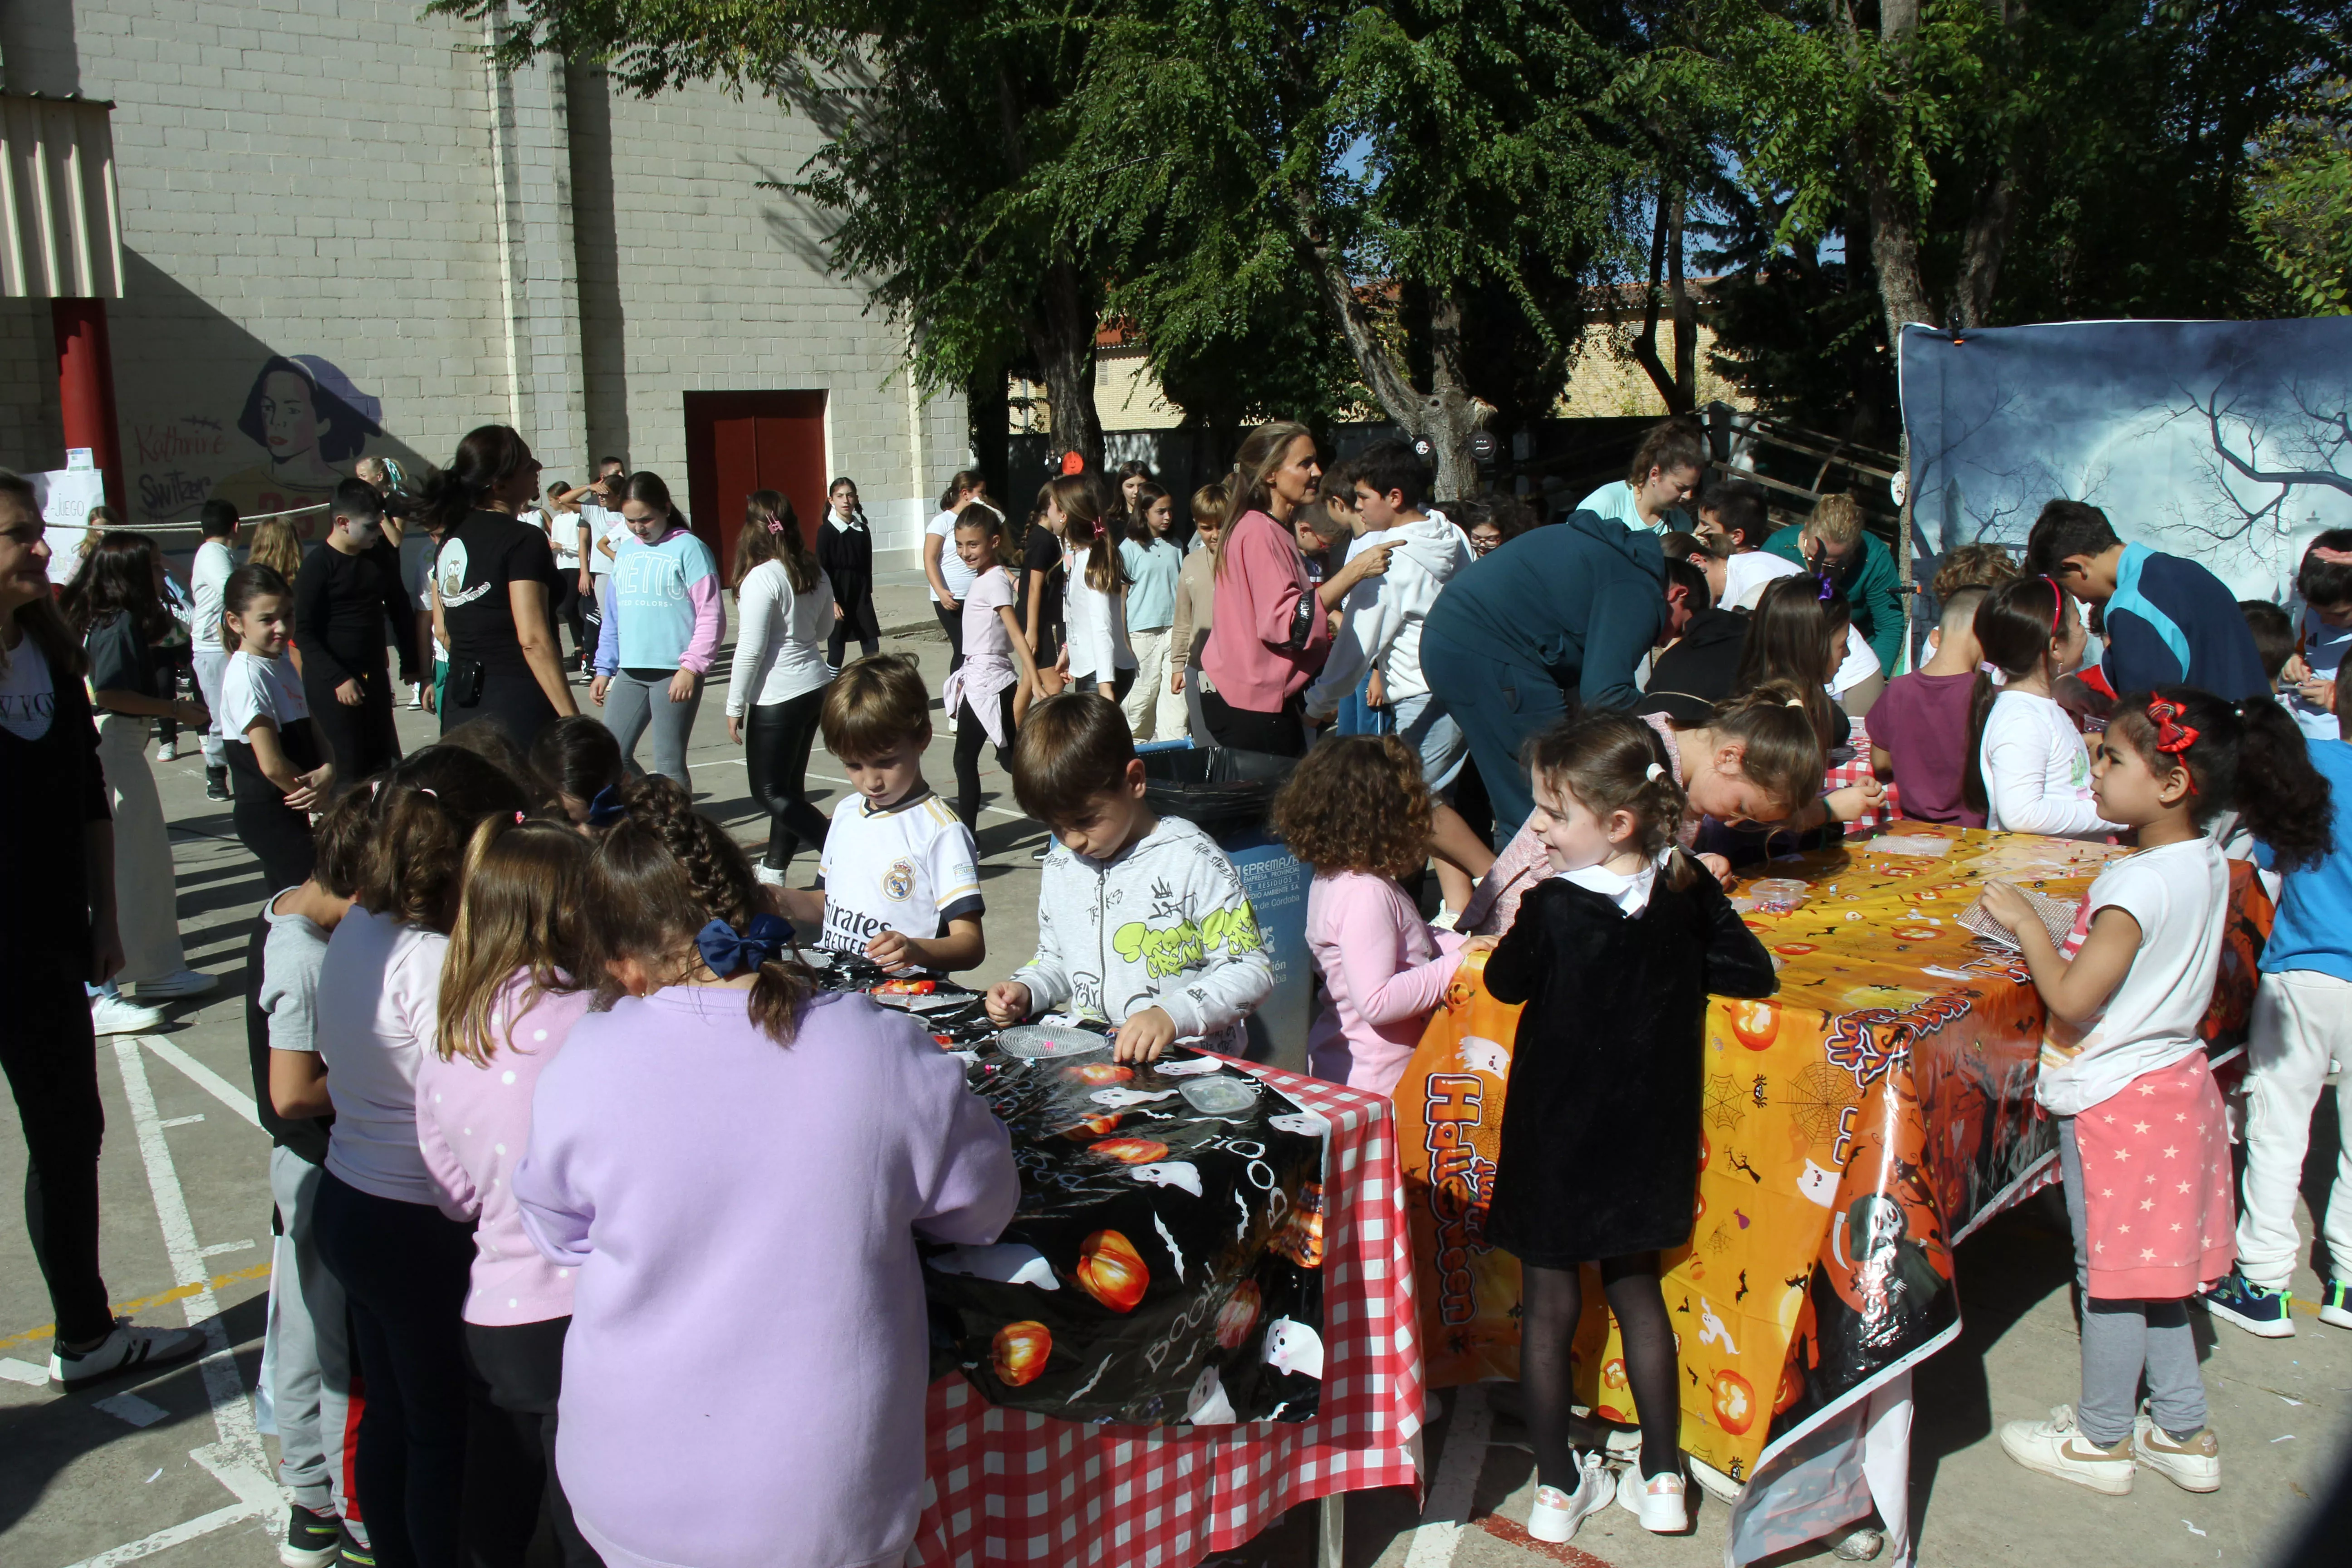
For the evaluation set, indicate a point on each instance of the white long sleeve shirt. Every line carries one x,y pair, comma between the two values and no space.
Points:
2037,775
779,638
1385,614
208,576
1095,627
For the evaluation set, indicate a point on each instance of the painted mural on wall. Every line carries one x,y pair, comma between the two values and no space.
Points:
301,426
2222,441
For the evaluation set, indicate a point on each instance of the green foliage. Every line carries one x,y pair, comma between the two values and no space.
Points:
2299,201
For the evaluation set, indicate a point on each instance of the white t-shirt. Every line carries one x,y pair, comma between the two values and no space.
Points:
603,528
2322,651
208,576
28,698
1745,574
2037,774
957,576
1094,628
254,688
563,531
2179,895
1858,665
908,868
378,1004
417,551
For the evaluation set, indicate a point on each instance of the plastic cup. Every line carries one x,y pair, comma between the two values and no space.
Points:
1778,894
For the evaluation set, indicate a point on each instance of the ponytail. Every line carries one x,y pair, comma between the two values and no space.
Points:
1780,749
1082,507
2250,757
489,455
2015,624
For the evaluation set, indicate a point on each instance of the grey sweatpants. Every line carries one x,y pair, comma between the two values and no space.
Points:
310,1354
632,706
2122,1339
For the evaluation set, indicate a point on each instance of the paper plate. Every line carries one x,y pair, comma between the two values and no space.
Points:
1046,1042
1221,1096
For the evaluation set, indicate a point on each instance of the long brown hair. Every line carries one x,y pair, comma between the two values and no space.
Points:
276,546
1797,635
1080,499
1262,451
2016,622
427,808
657,877
117,578
522,915
772,531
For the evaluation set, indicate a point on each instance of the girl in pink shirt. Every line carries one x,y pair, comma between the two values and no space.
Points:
1357,811
508,1001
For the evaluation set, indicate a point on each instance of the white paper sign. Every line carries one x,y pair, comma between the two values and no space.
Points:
66,496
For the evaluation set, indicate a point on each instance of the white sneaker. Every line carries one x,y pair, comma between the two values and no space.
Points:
127,1347
2057,1447
1555,1513
415,697
179,983
1443,919
768,876
1657,1503
167,751
2193,1467
121,1016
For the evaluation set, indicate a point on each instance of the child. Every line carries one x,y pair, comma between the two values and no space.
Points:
401,1263
1044,569
1797,635
273,753
2123,1070
2302,1029
576,765
1357,811
984,693
902,873
1196,589
1141,921
310,1354
2027,770
345,593
2168,619
664,618
1615,953
844,553
2323,583
1095,605
510,992
777,692
673,1450
1152,566
1919,724
2275,638
208,575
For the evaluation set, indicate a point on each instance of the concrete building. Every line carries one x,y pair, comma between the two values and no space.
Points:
342,234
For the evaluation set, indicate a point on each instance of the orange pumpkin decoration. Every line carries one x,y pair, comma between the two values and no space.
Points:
1735,1403
1112,1271
907,988
1606,1405
1131,1150
1795,949
1755,1024
1019,1352
1092,1127
1792,1383
1238,1316
1613,1372
1705,1150
1917,934
1100,1073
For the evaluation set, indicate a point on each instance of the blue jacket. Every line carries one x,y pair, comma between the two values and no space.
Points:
2173,623
1583,601
2313,928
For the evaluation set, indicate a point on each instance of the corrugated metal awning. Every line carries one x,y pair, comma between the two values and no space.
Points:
60,222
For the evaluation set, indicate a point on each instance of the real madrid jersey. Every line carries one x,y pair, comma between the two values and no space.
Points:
909,867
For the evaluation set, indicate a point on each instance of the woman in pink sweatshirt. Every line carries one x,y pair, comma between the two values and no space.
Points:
508,1002
1357,811
1268,635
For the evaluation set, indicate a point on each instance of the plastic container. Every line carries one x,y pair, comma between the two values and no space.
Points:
1778,894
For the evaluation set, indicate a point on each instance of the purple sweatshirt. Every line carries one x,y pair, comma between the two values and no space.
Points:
473,1124
744,1376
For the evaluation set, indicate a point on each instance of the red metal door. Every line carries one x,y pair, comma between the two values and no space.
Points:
738,442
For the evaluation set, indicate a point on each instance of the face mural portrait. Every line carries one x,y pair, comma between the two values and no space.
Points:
308,422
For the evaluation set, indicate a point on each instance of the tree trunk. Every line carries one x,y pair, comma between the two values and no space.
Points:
1894,254
988,397
1062,340
1992,218
1685,311
1677,387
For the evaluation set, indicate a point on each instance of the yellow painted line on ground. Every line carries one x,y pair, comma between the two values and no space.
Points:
131,1309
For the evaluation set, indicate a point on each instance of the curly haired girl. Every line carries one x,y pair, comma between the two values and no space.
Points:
1357,811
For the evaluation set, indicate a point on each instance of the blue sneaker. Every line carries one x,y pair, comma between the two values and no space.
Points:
2336,1304
2237,1300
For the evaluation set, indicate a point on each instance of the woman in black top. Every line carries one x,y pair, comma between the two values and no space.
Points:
56,930
844,553
492,580
115,601
346,590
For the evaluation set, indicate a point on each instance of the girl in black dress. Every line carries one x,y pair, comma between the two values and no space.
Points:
493,579
1615,955
844,553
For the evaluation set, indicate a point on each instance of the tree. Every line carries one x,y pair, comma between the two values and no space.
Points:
2299,201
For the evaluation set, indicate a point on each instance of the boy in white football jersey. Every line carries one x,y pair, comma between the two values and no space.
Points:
901,874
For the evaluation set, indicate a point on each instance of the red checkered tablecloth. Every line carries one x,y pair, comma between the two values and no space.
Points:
1854,772
1004,1485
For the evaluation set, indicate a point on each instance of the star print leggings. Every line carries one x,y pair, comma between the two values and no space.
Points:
2122,1339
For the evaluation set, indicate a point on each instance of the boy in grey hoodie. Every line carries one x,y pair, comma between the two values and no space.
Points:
1141,921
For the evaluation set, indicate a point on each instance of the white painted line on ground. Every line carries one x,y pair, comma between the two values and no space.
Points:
24,1372
184,1121
132,1408
217,1247
204,1077
165,1539
1439,1534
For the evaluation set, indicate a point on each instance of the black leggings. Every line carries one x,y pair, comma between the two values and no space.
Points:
776,741
1282,734
971,736
566,608
510,1455
405,1269
274,832
951,623
51,1060
1552,1300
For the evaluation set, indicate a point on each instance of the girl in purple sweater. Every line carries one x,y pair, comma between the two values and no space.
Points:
507,1003
735,1168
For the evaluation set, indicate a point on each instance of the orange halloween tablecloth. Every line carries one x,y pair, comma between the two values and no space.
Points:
1855,1127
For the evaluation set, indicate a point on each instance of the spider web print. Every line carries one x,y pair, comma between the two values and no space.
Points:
1725,1106
1817,1098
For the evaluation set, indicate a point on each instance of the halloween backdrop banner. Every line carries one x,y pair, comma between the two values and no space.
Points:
2226,442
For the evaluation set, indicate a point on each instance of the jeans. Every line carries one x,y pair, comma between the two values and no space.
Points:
1423,723
2302,1024
776,741
636,701
310,1347
514,1457
51,1060
212,663
2122,1339
404,1267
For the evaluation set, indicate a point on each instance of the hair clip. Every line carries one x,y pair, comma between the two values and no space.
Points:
518,818
606,809
1654,772
1829,586
2172,737
775,525
728,952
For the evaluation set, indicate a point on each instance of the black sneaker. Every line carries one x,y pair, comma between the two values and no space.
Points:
216,784
357,1553
312,1540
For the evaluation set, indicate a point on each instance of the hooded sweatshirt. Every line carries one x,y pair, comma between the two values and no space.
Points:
1583,602
1384,614
1164,923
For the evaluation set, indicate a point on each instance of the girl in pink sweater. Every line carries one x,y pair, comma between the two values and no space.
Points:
508,1001
1357,811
